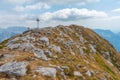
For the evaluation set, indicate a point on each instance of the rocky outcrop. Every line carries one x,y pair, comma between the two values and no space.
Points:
14,68
13,46
39,53
45,40
47,71
55,48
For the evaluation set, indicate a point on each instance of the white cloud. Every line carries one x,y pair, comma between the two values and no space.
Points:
7,20
70,14
116,10
31,7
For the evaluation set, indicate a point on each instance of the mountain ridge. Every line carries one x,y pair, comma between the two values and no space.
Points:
62,52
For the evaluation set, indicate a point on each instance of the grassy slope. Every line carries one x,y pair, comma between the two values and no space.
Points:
89,61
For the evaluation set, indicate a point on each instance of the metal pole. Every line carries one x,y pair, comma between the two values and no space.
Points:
37,22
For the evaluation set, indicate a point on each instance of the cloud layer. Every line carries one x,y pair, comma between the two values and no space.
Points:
71,14
116,10
54,12
36,6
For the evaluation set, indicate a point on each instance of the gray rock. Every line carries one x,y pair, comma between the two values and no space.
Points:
81,51
27,38
14,46
77,73
92,48
47,71
24,38
45,39
61,71
14,68
49,53
39,53
55,48
13,41
82,39
63,75
6,56
106,55
89,73
26,47
30,38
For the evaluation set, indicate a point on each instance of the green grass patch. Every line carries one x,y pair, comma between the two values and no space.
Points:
3,44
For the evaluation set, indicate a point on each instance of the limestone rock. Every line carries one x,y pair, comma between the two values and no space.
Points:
45,39
106,55
14,68
92,48
13,46
26,47
39,53
49,53
47,71
77,73
81,51
13,41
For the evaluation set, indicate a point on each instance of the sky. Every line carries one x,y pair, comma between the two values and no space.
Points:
102,14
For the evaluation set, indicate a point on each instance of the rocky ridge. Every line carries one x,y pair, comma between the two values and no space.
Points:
60,53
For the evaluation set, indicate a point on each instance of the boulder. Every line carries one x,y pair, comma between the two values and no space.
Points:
39,53
47,71
14,68
26,47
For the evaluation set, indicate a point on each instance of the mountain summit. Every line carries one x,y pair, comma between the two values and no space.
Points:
59,53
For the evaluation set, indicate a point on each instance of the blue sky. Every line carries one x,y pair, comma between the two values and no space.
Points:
103,14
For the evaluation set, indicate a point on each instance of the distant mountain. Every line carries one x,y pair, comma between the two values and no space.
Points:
11,31
113,38
118,34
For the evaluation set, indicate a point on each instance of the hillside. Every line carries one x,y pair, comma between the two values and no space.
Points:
59,53
112,37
